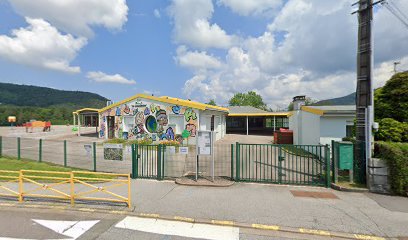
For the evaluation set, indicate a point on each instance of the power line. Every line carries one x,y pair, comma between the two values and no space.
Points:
396,12
394,5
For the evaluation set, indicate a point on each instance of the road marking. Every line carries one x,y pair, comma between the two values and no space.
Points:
265,227
219,222
367,237
183,229
315,232
72,229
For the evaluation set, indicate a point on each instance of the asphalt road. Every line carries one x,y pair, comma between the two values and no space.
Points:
29,223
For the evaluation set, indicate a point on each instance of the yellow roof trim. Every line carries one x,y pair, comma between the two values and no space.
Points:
312,110
86,109
291,113
166,99
271,114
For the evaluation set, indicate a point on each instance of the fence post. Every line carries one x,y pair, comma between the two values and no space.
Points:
232,161
20,186
72,190
159,161
40,150
327,157
237,165
94,156
1,146
65,153
334,159
18,148
134,161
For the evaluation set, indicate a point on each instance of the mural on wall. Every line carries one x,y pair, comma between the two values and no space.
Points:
102,127
189,114
151,120
147,111
126,110
176,109
192,128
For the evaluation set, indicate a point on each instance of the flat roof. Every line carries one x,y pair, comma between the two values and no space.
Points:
88,110
331,110
249,111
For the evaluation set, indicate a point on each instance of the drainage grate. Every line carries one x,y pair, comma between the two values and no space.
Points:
327,195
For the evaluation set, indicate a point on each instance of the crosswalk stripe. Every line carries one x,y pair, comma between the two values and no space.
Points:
182,229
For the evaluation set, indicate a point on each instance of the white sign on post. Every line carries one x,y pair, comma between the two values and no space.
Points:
204,143
183,150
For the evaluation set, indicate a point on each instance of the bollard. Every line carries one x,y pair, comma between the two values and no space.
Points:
18,148
1,146
94,156
40,151
65,153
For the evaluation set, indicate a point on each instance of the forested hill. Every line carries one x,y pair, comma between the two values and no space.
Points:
44,104
346,100
33,96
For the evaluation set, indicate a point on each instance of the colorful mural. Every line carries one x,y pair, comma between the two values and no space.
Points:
151,121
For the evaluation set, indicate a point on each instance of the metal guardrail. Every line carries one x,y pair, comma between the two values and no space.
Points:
65,185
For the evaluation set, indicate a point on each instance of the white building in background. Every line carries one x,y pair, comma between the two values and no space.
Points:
314,125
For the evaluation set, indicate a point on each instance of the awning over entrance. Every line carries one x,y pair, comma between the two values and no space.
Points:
249,120
86,117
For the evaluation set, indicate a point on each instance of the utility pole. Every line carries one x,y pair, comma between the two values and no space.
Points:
364,91
395,66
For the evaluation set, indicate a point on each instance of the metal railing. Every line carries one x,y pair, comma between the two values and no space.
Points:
283,164
70,186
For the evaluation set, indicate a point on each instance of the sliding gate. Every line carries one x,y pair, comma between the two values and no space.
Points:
282,164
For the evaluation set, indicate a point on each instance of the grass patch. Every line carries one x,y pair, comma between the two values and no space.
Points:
12,164
298,151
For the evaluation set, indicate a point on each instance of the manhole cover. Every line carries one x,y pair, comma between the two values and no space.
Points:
313,194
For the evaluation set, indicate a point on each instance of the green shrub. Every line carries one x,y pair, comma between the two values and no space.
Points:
391,130
396,156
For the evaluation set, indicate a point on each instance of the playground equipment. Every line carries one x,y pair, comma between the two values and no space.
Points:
46,126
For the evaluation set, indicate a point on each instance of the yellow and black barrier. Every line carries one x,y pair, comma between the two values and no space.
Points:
70,186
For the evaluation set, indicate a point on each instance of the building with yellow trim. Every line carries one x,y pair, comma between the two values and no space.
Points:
160,118
253,121
314,125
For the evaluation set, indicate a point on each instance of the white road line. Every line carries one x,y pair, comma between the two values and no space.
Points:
72,229
182,229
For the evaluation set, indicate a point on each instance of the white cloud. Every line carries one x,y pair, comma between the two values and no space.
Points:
192,26
308,48
252,7
76,16
41,45
196,60
103,77
156,13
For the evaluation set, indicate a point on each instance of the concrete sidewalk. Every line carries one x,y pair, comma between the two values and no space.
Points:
276,205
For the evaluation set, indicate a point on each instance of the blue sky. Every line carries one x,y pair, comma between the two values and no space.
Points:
198,49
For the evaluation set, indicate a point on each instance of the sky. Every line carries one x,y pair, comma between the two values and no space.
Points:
196,49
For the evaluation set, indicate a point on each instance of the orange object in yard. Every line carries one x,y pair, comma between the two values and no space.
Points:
38,124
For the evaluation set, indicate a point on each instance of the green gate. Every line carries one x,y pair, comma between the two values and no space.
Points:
283,164
148,161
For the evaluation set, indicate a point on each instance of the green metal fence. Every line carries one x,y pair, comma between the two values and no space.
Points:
283,164
148,161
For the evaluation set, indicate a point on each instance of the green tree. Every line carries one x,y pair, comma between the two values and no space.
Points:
309,101
212,102
391,130
391,101
248,99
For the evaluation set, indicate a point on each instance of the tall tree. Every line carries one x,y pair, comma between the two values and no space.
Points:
248,99
212,102
391,101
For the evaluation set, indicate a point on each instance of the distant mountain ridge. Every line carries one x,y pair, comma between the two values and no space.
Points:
346,100
34,96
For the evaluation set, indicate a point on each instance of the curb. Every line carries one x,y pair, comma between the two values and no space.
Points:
202,221
345,189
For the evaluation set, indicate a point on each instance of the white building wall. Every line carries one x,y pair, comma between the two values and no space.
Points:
310,129
333,128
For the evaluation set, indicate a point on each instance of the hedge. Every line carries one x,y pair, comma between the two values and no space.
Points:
396,156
